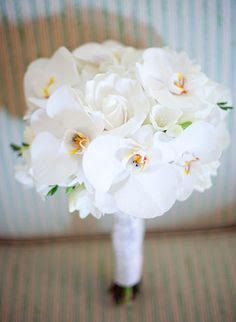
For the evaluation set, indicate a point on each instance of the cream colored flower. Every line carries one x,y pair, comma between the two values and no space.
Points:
45,75
162,118
63,132
121,101
133,173
172,79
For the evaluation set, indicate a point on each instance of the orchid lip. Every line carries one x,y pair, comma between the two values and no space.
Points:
137,160
178,84
80,143
188,165
50,82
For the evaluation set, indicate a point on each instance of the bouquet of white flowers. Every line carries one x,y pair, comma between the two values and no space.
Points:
123,131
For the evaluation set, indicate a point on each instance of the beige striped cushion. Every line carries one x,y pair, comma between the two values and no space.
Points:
186,279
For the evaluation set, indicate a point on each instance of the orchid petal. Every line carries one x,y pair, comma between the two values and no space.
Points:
100,164
148,194
50,163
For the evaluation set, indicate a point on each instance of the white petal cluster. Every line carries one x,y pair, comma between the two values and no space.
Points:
121,129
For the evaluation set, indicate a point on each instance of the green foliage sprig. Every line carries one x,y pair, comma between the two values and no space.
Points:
70,189
19,148
52,191
224,106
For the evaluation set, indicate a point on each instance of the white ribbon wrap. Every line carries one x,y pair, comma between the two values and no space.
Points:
127,238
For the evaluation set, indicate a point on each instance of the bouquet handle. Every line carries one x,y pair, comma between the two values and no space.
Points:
127,240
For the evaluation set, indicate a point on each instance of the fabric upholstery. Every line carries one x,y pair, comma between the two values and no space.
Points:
186,278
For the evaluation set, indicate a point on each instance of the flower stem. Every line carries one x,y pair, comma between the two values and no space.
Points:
124,295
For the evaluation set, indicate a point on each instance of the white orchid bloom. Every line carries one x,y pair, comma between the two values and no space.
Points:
109,56
24,174
96,54
63,132
199,179
162,117
90,57
171,79
45,75
121,101
214,95
203,181
133,174
193,152
126,59
200,140
93,58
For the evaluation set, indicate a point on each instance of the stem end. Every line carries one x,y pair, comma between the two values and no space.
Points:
124,295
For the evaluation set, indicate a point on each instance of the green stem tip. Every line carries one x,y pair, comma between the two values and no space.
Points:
124,295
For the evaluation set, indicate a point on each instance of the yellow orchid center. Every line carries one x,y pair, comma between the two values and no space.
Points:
188,164
116,55
80,142
180,82
46,89
139,161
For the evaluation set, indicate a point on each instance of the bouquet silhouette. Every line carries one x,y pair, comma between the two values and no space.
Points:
122,131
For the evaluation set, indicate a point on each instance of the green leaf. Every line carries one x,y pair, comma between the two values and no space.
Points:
223,106
52,191
19,149
221,103
69,189
26,145
15,147
186,124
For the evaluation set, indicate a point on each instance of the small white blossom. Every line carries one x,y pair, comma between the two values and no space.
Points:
162,117
80,199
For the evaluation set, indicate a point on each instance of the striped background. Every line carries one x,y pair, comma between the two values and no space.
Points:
188,278
32,28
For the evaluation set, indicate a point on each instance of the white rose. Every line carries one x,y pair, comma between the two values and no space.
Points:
121,101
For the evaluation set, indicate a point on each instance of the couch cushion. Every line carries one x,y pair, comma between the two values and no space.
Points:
186,278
